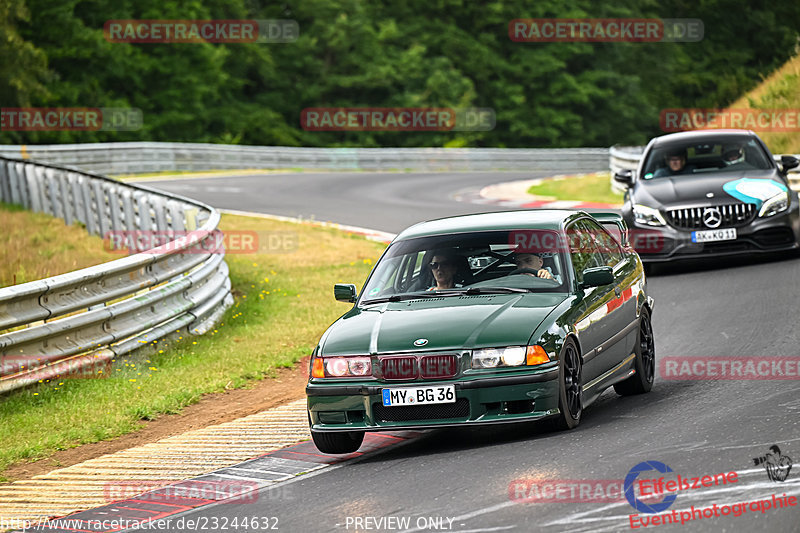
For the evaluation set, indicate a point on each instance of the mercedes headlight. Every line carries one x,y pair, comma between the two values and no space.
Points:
648,216
774,204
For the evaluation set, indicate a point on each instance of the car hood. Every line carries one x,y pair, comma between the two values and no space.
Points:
448,323
693,189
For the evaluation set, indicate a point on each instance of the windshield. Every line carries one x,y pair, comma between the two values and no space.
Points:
482,262
705,157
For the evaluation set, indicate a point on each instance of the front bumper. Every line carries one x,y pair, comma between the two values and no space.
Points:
511,397
763,235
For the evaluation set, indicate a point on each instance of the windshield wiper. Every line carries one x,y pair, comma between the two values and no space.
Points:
408,296
495,290
446,292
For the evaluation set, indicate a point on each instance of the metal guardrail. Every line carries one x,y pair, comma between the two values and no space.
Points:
623,158
95,314
627,158
140,157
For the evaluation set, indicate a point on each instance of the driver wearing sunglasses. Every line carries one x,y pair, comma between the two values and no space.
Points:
444,268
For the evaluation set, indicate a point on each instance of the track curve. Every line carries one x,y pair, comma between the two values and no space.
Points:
741,307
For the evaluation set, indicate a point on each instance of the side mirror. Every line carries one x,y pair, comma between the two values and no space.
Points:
789,162
345,292
595,277
624,176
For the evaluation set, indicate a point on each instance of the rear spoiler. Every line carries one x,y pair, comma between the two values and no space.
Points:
614,224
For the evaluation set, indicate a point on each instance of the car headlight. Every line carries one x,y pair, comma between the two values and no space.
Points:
509,356
341,367
486,358
648,216
774,204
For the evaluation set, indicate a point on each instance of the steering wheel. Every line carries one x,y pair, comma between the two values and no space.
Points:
529,271
524,271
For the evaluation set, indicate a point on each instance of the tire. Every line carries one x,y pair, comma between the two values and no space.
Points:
570,371
337,442
645,362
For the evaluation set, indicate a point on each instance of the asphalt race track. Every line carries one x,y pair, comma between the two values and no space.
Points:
384,201
466,480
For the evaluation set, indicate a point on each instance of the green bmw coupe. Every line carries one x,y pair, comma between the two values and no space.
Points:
484,319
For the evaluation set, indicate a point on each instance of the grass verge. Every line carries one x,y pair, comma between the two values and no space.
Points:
781,90
37,246
283,303
582,188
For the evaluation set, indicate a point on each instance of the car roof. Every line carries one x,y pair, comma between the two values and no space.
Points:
552,219
702,136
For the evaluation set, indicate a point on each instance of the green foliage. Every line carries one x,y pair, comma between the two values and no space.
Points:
23,66
418,53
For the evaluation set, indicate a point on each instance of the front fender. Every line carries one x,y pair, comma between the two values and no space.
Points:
553,332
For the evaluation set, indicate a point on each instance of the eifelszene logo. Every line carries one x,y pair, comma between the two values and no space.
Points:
630,481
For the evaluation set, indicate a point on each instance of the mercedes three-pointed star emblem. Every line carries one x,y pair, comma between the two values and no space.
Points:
712,218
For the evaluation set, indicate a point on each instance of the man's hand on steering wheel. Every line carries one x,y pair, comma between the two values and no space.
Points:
541,273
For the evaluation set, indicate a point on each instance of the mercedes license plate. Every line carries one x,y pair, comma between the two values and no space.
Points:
727,234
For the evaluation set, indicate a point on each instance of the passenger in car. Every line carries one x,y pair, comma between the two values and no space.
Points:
735,155
732,154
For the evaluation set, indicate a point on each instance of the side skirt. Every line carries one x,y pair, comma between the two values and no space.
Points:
621,372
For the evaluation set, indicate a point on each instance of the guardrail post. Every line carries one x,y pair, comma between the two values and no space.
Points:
33,188
86,196
67,200
17,195
115,207
53,205
160,210
130,219
103,217
5,183
143,207
176,216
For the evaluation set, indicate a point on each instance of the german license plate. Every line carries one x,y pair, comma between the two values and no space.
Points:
419,395
727,234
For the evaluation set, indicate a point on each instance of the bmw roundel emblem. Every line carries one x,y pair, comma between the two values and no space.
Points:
420,342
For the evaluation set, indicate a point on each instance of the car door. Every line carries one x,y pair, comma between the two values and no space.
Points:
592,323
621,307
